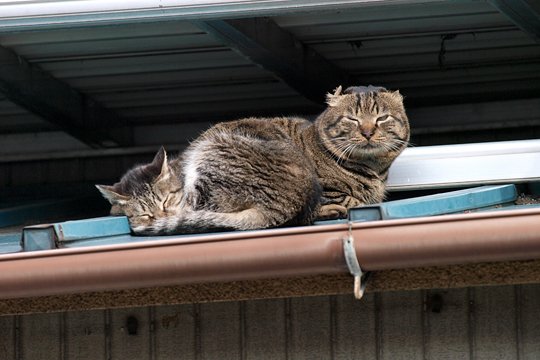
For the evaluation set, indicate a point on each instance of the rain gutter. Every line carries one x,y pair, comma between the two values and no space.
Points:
238,256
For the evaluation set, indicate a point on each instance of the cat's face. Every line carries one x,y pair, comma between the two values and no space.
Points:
363,125
145,194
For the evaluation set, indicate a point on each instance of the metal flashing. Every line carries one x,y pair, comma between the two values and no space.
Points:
62,234
98,227
447,166
438,204
38,237
10,243
112,230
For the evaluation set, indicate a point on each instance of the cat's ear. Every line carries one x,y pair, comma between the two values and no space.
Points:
333,99
397,95
160,162
110,194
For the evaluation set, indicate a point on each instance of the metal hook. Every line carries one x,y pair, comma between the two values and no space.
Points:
360,279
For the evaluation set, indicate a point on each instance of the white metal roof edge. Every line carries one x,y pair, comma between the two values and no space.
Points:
20,15
445,166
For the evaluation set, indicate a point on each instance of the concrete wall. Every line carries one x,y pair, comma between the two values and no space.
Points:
477,323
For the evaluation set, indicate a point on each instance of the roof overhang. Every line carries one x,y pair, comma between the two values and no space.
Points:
49,14
433,252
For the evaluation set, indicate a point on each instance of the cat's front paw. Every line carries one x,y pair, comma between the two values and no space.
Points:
332,211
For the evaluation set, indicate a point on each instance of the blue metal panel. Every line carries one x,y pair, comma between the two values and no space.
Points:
51,236
330,222
116,230
40,237
108,240
10,243
92,228
510,207
444,203
120,239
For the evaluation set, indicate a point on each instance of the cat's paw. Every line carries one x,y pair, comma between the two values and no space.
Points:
332,211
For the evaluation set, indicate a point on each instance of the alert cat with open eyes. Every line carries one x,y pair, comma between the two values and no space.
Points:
259,173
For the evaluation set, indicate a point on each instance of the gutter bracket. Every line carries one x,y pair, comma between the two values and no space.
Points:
354,266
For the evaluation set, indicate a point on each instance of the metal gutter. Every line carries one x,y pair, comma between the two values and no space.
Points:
380,245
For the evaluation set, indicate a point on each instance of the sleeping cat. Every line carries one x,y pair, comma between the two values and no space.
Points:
225,180
352,144
258,173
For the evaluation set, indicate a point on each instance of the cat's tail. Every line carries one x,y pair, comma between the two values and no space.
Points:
197,221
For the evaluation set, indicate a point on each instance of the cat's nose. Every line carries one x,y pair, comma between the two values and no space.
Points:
367,134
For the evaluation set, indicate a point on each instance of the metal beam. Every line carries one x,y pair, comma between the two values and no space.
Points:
523,13
20,15
263,42
58,103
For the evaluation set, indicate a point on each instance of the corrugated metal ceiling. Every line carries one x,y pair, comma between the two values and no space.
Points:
424,49
172,72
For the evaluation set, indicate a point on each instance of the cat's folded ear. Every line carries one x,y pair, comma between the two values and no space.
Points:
110,194
333,99
395,95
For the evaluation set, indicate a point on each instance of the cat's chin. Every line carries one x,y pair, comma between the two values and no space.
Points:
369,149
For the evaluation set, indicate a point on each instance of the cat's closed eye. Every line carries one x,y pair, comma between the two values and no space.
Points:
383,119
351,119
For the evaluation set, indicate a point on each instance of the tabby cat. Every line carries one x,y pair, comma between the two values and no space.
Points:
352,144
264,172
226,179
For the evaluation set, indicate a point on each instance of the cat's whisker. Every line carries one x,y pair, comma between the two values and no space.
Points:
351,150
340,152
341,157
344,157
354,146
411,145
398,144
399,141
336,150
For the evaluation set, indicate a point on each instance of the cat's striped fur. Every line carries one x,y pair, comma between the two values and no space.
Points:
226,179
265,172
351,168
